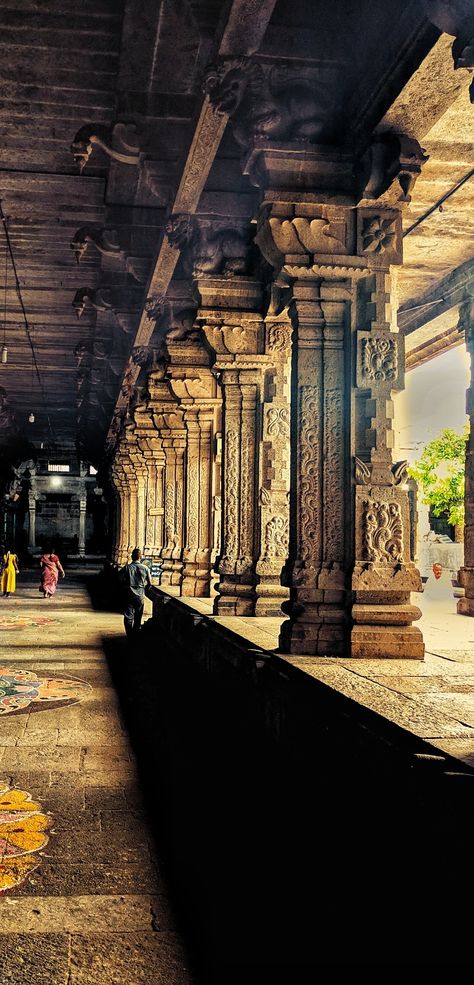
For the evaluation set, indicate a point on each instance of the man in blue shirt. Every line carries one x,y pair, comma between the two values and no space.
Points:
137,579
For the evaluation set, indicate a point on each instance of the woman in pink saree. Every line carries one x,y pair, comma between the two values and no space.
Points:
51,568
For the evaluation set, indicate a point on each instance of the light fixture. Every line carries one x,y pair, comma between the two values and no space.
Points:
31,418
4,354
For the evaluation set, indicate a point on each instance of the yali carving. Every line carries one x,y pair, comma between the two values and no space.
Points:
214,250
281,102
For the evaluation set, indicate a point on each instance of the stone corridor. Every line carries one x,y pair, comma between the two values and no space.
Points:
95,910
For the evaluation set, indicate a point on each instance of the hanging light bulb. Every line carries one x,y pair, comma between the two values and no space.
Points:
31,418
4,354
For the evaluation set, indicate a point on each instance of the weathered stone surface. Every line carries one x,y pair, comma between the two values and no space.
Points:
156,958
101,914
19,958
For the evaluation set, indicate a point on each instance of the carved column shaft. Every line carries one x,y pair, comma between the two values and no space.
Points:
273,515
466,574
32,519
318,501
384,573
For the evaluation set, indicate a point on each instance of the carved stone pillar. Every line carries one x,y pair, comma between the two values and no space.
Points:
230,316
195,387
273,514
384,573
119,554
466,574
321,247
82,524
170,431
32,518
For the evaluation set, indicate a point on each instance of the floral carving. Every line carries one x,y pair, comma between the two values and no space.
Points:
231,490
378,235
379,359
278,338
309,464
278,422
383,532
276,537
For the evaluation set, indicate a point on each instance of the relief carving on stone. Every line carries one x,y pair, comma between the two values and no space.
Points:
278,422
277,102
382,531
276,537
298,237
309,464
278,338
231,498
379,359
215,248
379,236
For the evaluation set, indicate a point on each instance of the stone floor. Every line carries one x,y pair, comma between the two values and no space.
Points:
84,900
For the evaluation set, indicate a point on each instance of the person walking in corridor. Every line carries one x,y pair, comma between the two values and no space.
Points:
51,568
136,579
9,572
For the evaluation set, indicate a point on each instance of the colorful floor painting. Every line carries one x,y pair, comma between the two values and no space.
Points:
23,833
22,622
22,690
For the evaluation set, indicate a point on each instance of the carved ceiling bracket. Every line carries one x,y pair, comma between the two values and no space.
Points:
210,246
280,102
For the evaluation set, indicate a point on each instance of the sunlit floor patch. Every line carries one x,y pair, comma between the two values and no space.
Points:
25,689
23,833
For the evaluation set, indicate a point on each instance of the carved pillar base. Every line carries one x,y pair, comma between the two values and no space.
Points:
236,589
196,574
466,580
316,609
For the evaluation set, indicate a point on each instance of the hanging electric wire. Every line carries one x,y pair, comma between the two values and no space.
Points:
25,319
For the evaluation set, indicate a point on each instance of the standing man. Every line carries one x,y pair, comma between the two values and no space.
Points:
137,580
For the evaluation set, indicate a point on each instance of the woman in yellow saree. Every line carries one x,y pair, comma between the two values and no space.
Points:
9,573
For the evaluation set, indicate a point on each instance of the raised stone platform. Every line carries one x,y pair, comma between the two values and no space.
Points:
428,704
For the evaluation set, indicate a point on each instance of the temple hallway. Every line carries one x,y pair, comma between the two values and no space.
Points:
95,911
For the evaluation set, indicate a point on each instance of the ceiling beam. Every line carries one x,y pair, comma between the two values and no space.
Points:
241,35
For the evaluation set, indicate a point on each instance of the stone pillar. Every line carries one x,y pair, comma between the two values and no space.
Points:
321,248
384,573
273,514
231,319
170,431
466,573
195,387
32,519
82,524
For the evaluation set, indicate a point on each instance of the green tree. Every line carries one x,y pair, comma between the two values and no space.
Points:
440,473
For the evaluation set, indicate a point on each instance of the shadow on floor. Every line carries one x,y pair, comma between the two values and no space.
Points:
283,861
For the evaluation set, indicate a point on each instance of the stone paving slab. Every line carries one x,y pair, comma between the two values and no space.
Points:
97,878
419,718
41,959
132,959
100,914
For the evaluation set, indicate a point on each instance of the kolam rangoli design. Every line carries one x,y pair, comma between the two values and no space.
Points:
22,622
23,689
23,833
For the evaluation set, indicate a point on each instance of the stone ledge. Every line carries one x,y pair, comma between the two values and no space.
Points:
396,701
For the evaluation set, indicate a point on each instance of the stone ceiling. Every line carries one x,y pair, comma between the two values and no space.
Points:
75,71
